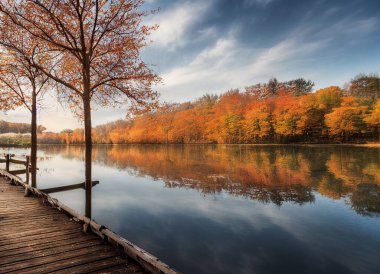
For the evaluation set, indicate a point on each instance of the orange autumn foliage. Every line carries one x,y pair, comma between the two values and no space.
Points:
326,115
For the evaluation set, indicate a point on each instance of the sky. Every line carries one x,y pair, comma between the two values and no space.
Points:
211,46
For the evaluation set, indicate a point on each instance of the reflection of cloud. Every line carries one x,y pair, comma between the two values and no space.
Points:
258,233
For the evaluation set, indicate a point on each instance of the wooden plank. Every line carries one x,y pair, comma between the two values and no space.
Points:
87,259
28,225
13,221
39,231
10,220
52,244
122,270
45,240
7,218
19,162
35,254
17,172
67,188
56,241
57,261
20,215
28,239
102,266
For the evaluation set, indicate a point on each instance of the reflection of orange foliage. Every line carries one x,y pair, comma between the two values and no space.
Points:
333,188
266,173
255,168
372,170
353,171
248,165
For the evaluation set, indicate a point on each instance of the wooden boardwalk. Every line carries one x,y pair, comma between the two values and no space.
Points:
36,238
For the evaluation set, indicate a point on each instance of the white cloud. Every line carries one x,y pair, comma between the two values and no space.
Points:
173,23
257,2
227,65
348,26
287,50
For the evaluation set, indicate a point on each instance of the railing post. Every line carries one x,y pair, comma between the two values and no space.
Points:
7,158
27,191
27,170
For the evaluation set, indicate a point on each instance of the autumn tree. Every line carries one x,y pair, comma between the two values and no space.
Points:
275,88
22,81
299,86
286,115
258,122
373,118
329,98
367,86
67,134
96,48
311,117
348,119
165,118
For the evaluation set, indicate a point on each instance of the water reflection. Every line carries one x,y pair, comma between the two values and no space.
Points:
87,188
232,209
269,174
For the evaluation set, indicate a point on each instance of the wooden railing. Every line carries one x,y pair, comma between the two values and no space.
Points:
8,161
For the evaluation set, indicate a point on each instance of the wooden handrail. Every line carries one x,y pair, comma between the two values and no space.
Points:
20,162
8,160
67,188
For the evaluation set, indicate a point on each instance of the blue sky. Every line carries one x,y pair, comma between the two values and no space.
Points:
210,46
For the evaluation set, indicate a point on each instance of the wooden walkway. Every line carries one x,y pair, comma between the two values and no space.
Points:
36,238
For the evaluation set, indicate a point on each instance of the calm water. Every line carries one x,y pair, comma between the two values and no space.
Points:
232,209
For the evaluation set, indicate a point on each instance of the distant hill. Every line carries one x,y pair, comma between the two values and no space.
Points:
19,128
8,127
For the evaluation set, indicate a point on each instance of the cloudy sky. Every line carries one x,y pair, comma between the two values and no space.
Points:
210,46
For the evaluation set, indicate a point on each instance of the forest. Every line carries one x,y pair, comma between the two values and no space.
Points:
273,112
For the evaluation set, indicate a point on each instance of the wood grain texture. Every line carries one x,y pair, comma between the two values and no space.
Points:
36,238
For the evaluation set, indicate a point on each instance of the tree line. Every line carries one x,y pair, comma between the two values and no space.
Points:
273,112
20,128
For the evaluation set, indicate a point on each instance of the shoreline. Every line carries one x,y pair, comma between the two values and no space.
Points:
373,145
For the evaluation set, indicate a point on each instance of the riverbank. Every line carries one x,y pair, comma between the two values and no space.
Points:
193,144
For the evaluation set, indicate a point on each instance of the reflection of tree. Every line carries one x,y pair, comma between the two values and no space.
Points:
331,187
273,174
278,195
366,199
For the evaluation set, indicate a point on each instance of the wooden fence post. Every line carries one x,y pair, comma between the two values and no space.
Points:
27,170
27,191
7,158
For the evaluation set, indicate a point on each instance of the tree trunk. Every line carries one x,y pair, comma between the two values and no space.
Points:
88,152
33,152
